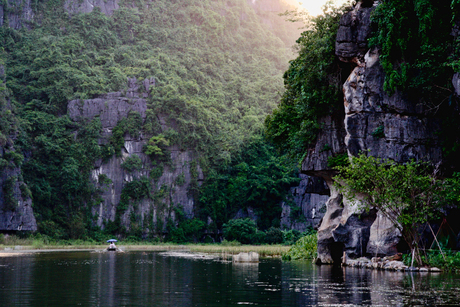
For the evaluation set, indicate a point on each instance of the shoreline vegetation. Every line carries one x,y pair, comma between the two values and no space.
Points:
262,250
18,246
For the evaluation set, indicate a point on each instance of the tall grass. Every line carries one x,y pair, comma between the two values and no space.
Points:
263,250
304,248
226,247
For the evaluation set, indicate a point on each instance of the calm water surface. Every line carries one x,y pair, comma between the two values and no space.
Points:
158,279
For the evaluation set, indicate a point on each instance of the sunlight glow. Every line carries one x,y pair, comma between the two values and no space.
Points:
314,7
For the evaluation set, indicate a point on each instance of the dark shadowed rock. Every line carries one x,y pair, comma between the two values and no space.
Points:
21,216
16,211
351,42
310,196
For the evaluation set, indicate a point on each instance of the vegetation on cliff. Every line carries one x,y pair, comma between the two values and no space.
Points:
409,195
217,67
313,85
420,52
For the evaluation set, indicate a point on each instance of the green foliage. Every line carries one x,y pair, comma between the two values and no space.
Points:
304,249
241,230
156,146
9,199
134,191
379,132
258,178
58,173
54,63
444,259
156,172
25,191
186,230
132,163
414,37
451,191
103,179
447,260
291,236
406,194
128,125
313,86
8,120
274,236
14,157
180,180
338,160
296,213
3,164
326,147
217,68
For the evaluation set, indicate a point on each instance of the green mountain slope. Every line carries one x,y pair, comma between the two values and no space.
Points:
218,69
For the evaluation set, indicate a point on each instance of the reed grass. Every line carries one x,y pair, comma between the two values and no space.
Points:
263,250
231,248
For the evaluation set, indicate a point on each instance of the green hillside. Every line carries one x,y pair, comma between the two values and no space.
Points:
218,68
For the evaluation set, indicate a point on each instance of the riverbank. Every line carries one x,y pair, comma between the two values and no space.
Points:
263,250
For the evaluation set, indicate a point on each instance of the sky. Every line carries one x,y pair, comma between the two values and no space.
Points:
314,6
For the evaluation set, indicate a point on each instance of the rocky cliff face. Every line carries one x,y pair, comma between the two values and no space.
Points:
170,188
16,13
391,127
86,6
306,204
16,211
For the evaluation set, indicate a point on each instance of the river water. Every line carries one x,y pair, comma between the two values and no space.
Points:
175,279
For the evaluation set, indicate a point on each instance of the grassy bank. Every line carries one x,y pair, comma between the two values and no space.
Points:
13,243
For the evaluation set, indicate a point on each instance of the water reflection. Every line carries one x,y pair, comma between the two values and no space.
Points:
153,279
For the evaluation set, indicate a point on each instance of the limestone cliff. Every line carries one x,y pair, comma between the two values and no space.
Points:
16,211
305,205
391,127
169,190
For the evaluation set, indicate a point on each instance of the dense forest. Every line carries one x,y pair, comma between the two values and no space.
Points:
217,71
217,67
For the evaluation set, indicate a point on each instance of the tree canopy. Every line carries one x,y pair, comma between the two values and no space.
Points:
409,195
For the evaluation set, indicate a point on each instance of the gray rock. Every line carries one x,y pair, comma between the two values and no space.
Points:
18,13
389,127
383,237
423,270
330,251
19,217
352,35
330,142
456,83
86,6
310,196
246,257
110,109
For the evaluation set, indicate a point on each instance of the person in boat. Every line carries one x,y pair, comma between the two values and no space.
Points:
112,246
